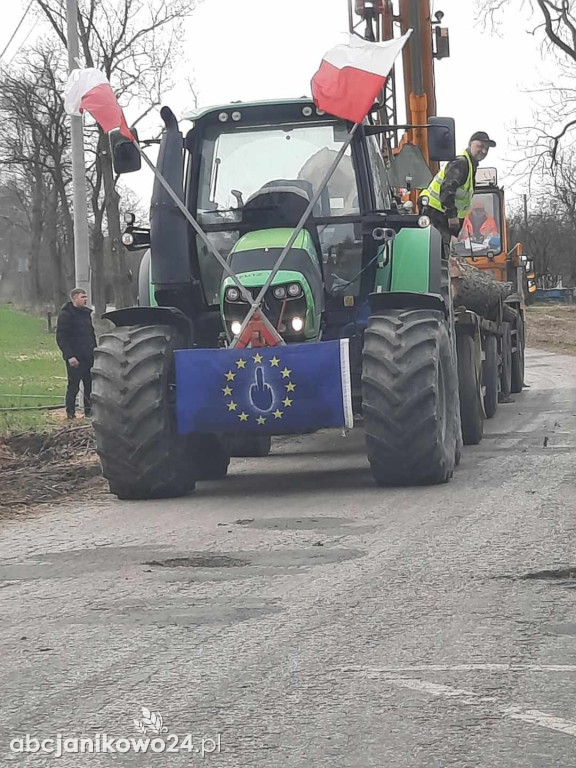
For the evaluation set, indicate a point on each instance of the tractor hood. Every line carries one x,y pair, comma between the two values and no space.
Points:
253,258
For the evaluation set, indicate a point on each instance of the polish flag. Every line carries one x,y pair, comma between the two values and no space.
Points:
88,89
352,75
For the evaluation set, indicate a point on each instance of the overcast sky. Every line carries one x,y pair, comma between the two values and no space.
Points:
253,49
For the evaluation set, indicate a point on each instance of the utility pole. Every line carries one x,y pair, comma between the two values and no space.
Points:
81,238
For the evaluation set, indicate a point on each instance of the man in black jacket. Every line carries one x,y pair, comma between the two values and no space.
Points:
76,338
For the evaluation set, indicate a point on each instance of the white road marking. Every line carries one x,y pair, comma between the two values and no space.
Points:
467,668
466,696
435,689
542,719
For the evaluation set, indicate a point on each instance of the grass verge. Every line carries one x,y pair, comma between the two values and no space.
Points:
32,373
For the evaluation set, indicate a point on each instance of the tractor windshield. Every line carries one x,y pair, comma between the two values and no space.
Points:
237,162
481,231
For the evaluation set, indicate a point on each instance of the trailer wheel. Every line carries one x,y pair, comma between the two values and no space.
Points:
506,354
471,414
141,452
409,398
210,456
490,375
517,364
249,445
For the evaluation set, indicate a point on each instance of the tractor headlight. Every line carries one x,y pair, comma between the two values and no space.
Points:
232,293
294,290
279,292
297,324
424,221
236,327
127,238
223,117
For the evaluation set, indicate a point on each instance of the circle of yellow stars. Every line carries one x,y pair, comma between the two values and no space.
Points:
257,359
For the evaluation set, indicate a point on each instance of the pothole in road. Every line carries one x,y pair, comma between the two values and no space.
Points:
295,523
200,561
553,574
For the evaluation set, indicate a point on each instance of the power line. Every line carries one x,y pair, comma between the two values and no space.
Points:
16,30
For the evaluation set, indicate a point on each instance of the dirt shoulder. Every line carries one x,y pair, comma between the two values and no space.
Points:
552,327
46,467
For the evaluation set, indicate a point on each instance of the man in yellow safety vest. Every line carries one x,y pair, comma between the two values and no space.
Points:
448,199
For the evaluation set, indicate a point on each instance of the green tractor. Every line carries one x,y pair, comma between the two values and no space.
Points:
359,268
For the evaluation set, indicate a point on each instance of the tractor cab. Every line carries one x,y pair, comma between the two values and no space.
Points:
259,166
247,173
253,170
483,239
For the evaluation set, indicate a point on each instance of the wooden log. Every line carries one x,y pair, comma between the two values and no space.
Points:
476,289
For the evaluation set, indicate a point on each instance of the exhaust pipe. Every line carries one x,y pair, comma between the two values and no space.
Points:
168,227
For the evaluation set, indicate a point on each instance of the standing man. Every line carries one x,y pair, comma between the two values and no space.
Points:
76,338
448,199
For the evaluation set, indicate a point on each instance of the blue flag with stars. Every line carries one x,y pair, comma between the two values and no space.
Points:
271,390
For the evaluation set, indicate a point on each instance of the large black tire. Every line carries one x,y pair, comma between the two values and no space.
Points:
210,456
446,293
490,375
142,454
471,411
409,393
506,355
517,364
246,445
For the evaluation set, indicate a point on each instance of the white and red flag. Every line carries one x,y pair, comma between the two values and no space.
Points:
88,89
352,75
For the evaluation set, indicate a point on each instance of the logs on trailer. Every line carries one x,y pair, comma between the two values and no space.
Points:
476,289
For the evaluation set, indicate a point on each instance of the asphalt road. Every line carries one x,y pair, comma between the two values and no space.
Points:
297,615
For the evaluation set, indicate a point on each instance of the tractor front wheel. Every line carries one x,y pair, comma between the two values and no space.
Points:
141,452
246,445
210,456
410,398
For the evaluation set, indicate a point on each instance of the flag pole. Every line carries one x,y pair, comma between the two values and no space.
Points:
211,247
299,227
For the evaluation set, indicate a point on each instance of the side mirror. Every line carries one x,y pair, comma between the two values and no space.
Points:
125,156
441,138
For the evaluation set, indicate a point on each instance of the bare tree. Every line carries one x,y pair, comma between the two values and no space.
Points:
549,238
136,45
34,148
556,21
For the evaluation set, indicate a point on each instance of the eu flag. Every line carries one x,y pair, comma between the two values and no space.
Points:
272,390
